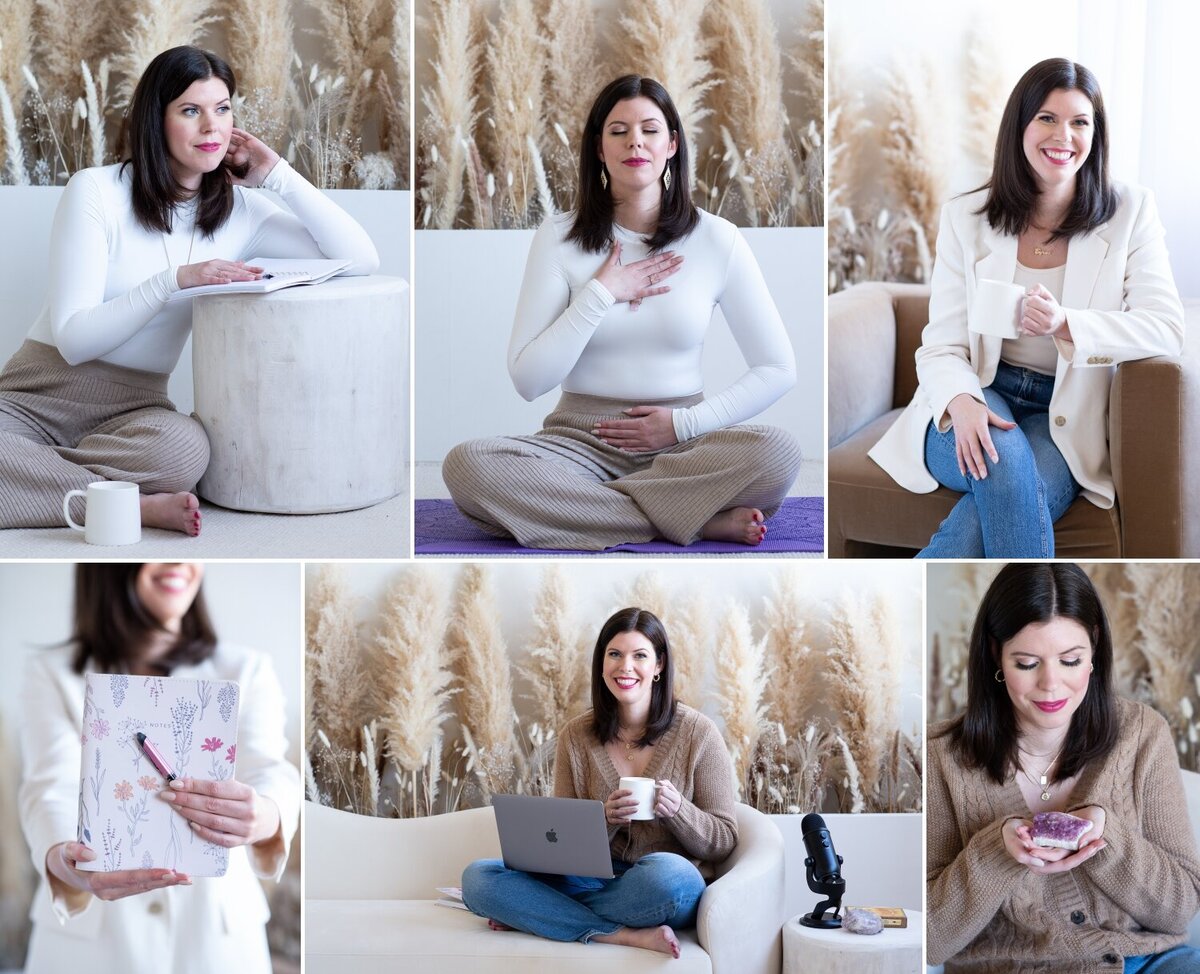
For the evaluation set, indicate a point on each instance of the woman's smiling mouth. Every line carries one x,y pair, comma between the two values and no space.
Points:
1059,157
209,146
1050,706
626,682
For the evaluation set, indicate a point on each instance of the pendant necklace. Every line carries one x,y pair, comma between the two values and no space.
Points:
191,243
1043,779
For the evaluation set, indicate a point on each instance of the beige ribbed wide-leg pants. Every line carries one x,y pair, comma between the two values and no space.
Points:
63,427
565,488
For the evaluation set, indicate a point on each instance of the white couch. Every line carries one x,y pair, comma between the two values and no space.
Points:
370,890
1191,789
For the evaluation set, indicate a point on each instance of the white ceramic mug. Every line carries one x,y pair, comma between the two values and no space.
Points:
113,512
996,308
645,791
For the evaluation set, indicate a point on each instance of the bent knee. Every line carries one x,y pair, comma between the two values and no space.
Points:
477,880
182,451
675,872
774,452
467,464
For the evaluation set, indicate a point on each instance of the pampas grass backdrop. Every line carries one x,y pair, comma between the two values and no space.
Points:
891,154
1154,614
509,82
342,118
807,689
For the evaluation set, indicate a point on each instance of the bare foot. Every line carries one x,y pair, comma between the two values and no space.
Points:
741,525
174,512
497,925
661,938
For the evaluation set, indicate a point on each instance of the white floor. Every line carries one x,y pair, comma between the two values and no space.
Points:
382,531
429,485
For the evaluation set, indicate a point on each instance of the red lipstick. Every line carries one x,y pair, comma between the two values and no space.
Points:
1050,706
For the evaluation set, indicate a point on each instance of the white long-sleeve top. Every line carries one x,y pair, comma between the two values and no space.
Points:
570,331
110,277
189,929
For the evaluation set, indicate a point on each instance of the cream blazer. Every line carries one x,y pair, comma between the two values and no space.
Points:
215,924
1121,305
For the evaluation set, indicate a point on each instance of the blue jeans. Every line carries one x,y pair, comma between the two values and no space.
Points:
1177,960
1011,512
659,888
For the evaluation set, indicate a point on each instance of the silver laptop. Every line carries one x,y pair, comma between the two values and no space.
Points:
562,836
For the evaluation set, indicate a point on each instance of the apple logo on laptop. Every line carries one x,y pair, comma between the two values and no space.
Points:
551,837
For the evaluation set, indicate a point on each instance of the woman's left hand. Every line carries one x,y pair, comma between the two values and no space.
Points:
666,805
228,813
651,428
246,150
1041,314
1094,814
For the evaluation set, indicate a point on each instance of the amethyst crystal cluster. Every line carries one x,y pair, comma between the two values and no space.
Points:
1057,830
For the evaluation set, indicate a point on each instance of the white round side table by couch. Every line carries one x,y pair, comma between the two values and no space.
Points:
304,395
894,951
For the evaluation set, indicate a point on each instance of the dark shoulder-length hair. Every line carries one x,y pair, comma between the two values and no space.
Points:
155,191
985,737
662,695
677,216
111,626
1012,189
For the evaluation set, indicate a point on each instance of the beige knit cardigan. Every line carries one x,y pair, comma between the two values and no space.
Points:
692,756
988,914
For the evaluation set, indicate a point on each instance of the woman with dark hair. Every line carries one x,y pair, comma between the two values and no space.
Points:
84,398
1019,425
635,728
150,620
614,308
1043,732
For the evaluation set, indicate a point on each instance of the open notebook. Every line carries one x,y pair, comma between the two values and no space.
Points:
279,272
193,724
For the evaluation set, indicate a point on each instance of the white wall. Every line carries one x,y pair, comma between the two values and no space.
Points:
254,605
601,588
385,215
466,294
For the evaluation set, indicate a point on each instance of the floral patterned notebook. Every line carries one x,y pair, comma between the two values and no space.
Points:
193,725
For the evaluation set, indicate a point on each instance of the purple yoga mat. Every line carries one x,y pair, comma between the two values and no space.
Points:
441,530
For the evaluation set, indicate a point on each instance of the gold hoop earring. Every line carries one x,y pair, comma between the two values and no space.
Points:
657,677
603,178
998,678
667,178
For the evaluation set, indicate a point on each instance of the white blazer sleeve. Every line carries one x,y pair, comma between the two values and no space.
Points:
316,227
760,335
48,796
550,330
1151,319
262,760
84,325
943,360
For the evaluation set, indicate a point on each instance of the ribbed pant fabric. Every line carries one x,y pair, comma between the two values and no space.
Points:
63,427
565,488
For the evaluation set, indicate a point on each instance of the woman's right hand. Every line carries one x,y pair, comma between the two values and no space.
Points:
641,279
620,807
216,272
971,420
61,860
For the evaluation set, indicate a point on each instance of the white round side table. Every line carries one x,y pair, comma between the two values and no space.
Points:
894,951
304,395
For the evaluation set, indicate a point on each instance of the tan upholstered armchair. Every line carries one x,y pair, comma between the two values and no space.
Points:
1154,435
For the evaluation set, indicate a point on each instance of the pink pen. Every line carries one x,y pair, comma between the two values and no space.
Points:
155,757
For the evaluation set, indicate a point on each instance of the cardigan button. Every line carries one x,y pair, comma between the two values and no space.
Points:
1110,958
1078,916
1060,420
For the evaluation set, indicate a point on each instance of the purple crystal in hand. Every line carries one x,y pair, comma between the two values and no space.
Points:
1057,830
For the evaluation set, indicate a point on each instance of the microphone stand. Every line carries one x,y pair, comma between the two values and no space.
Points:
833,887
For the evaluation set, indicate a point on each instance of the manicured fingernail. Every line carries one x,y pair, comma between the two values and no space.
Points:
167,796
193,825
177,784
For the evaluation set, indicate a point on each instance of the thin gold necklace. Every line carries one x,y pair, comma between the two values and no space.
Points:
191,244
1043,779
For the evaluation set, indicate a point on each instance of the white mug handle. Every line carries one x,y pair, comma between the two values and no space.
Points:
67,508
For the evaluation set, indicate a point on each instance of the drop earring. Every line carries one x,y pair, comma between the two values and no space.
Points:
667,178
603,178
